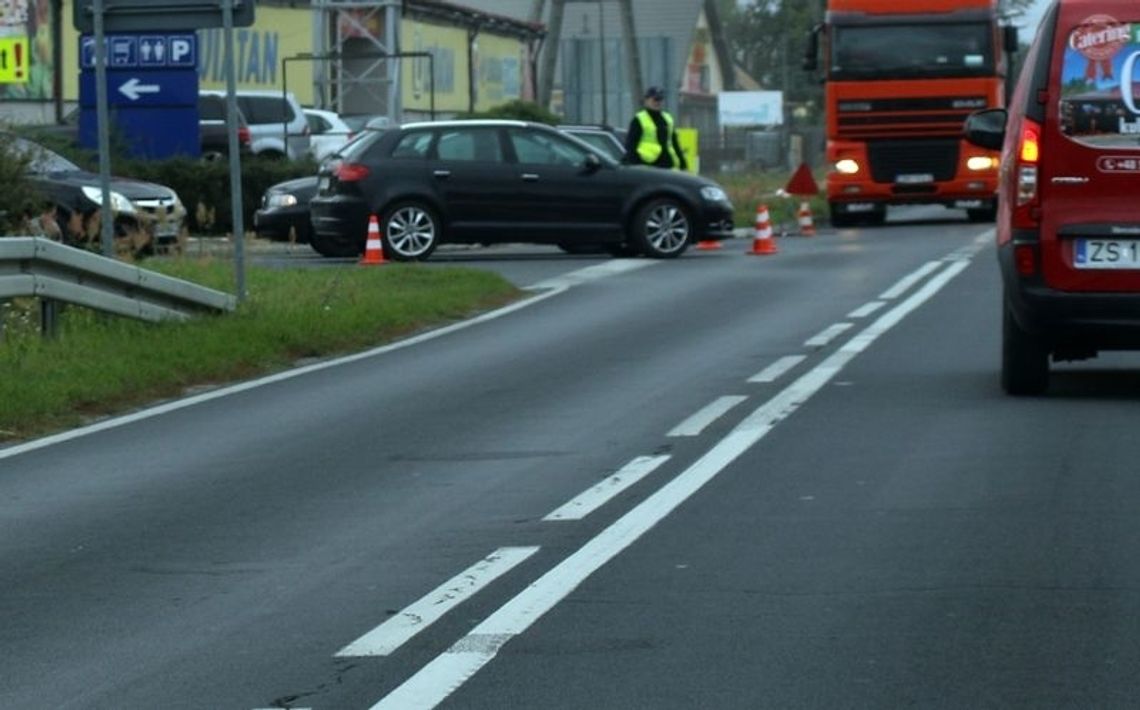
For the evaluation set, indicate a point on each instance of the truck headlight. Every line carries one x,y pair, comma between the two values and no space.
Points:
981,162
847,166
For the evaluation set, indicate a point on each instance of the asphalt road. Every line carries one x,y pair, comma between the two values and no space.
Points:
725,481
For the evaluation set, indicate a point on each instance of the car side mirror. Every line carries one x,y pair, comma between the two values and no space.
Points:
986,129
592,163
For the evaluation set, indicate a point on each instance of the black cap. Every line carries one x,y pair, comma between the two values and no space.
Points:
655,92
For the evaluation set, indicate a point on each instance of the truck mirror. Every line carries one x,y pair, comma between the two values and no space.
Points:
1009,39
811,62
986,128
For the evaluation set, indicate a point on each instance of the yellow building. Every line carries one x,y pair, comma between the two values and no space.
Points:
324,53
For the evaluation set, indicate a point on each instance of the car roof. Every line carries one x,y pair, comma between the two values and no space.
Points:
453,123
246,92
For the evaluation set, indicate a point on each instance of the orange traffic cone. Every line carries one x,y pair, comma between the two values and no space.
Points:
763,244
709,245
373,248
807,227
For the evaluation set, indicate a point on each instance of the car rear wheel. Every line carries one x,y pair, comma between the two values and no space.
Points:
1024,359
661,229
411,231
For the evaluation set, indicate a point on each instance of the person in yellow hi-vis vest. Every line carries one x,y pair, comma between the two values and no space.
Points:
652,135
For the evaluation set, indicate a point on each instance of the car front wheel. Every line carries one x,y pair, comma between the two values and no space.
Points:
661,229
411,231
1024,358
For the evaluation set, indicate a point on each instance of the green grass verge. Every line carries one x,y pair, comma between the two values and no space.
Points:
748,190
101,365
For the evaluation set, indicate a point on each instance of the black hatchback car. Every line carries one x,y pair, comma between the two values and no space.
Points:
494,181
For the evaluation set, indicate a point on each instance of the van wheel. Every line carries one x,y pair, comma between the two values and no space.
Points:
1024,359
661,229
411,231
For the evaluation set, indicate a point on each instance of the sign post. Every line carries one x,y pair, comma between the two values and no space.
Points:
157,19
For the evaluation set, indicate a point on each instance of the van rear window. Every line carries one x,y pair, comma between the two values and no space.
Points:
1100,83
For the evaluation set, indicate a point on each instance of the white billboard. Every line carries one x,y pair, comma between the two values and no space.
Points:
751,108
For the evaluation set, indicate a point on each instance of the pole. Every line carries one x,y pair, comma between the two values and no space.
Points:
235,159
602,44
102,117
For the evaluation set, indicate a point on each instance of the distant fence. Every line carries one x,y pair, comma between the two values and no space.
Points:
53,272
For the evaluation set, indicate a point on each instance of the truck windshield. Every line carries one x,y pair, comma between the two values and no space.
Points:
911,51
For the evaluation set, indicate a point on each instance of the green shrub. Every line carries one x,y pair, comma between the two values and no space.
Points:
19,200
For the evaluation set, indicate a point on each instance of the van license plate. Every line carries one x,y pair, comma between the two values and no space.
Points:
1106,254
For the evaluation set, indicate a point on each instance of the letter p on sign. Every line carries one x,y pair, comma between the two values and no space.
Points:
14,60
181,51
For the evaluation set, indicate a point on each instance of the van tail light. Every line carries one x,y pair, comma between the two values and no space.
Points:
1027,210
244,136
352,172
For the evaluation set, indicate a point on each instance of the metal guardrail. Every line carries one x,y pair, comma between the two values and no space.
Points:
53,272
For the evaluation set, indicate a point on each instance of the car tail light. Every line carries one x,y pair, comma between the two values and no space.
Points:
1026,211
352,172
244,136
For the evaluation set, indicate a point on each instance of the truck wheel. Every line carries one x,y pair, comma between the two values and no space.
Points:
1024,359
839,219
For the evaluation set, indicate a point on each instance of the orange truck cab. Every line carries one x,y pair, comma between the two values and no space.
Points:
900,79
1068,224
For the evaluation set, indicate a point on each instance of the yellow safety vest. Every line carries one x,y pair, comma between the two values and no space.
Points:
649,149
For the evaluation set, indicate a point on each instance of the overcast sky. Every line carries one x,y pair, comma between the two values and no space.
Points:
1031,19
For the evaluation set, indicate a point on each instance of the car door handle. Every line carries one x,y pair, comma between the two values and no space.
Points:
442,173
530,177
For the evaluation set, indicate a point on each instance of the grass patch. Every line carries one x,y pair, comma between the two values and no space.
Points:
747,190
100,365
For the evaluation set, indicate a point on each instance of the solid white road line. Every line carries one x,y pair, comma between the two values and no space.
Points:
444,675
592,273
589,501
387,637
909,280
827,335
695,424
777,369
866,309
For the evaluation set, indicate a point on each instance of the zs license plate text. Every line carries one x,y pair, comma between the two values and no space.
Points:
1106,254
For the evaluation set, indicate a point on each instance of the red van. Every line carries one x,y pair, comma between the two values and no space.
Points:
1068,223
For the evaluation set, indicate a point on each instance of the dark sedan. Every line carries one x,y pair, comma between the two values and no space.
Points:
284,211
145,214
494,181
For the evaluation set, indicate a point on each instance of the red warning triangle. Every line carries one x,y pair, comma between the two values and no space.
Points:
802,183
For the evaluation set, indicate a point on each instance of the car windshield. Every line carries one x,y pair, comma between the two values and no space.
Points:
41,160
907,51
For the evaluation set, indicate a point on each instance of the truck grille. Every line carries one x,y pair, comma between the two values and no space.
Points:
937,157
879,118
